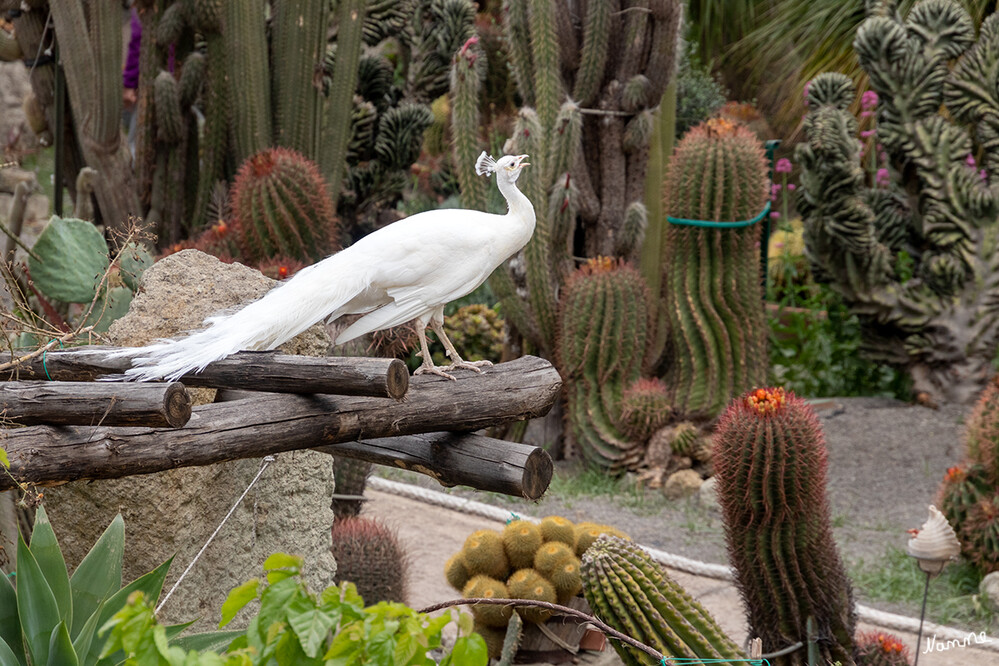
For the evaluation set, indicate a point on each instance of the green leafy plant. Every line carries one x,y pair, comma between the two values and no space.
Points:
295,626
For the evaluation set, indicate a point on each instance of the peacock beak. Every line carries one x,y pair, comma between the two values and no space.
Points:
520,161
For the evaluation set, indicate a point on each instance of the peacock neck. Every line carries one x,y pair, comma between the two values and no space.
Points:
518,205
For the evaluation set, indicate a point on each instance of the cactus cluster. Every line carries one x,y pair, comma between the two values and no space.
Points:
631,592
604,324
477,330
969,495
535,561
910,246
770,465
877,648
713,299
369,554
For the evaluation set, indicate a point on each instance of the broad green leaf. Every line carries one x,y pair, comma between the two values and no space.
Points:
73,256
274,602
61,652
469,651
282,561
465,623
311,625
112,305
36,605
216,641
83,639
10,624
7,656
45,548
98,576
134,260
381,646
238,597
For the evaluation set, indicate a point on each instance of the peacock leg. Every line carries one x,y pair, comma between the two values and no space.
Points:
437,324
428,367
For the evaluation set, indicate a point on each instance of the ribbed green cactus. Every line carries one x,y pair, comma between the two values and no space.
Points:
938,103
770,464
244,24
369,555
714,303
877,648
282,206
467,73
603,332
645,407
631,592
350,477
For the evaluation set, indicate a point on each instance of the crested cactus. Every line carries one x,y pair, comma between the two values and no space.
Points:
631,592
714,303
770,464
603,332
369,555
282,206
911,247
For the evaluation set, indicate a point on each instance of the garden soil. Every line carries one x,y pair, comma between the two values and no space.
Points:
886,459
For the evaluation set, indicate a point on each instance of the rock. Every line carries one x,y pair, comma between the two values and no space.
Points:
682,484
14,86
989,591
707,495
175,512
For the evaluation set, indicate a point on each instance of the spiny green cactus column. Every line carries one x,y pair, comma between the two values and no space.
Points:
603,331
632,593
932,314
770,462
713,299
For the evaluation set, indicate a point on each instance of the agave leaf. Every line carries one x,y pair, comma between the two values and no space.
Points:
61,652
10,624
7,656
98,576
45,548
36,605
216,641
84,636
73,256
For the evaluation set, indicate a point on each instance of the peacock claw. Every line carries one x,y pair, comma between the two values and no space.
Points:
475,366
430,369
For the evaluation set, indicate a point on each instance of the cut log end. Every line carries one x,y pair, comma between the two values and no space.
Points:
397,380
538,471
177,405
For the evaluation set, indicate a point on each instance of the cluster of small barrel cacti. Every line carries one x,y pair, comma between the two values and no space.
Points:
534,561
604,326
969,496
632,593
770,464
713,298
477,330
877,648
369,554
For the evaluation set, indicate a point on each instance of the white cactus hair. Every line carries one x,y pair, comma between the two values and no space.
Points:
485,165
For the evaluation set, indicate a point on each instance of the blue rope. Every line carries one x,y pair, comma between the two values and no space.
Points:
45,367
720,225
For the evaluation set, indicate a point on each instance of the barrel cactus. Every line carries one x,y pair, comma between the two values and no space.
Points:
910,246
877,648
645,407
713,298
282,206
369,554
603,332
632,593
770,464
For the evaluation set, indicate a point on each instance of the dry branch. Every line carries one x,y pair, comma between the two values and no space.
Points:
260,371
272,423
89,403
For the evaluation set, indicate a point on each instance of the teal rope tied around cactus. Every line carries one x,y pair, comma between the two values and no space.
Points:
513,517
720,225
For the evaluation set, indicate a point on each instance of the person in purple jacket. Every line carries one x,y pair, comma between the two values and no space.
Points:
130,78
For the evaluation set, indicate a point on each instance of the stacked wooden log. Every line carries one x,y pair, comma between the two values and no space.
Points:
365,408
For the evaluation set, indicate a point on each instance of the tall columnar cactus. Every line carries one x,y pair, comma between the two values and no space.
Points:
282,207
588,88
713,298
603,333
930,310
770,462
631,592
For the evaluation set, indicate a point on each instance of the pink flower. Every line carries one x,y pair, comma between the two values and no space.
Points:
775,188
783,165
773,197
882,177
866,114
983,174
774,215
867,134
791,187
970,160
869,100
808,86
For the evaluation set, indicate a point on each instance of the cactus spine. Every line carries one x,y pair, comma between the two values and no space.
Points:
629,591
250,90
714,303
467,72
603,332
369,555
770,462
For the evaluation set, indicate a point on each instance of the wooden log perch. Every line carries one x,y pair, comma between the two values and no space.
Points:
459,459
269,371
272,423
88,403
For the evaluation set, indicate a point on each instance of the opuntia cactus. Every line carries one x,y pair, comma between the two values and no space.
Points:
770,464
631,592
713,297
369,555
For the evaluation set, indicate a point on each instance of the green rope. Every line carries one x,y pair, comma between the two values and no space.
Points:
720,225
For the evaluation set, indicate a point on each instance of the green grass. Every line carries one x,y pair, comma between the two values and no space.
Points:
953,596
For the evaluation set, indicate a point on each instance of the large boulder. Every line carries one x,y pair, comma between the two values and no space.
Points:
175,512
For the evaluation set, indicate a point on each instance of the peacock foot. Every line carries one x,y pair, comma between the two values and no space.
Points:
469,365
431,369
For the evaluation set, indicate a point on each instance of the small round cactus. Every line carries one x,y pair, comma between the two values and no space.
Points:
557,528
521,539
645,407
877,648
484,587
483,553
529,584
369,555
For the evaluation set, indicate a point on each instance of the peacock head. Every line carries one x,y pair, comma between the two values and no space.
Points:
507,167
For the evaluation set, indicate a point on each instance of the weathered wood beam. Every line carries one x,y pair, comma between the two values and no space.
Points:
459,459
272,423
89,403
262,371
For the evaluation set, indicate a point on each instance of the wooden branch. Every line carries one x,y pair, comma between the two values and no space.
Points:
89,403
272,423
459,459
262,371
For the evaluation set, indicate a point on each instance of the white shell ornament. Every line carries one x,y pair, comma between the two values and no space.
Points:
935,544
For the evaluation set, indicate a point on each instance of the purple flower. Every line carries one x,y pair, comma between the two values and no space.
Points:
869,100
983,174
775,188
773,197
970,160
882,177
783,165
867,134
791,187
866,114
774,215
